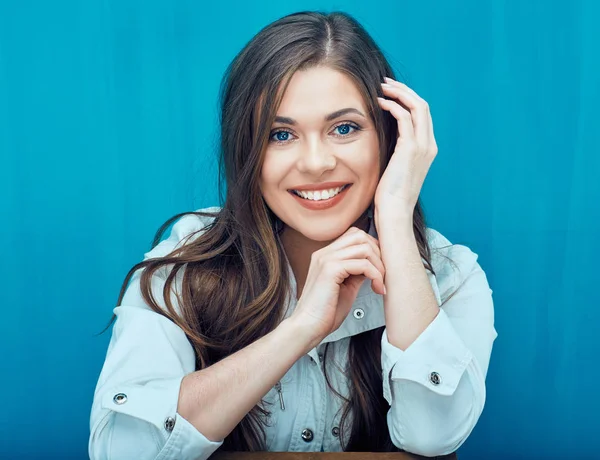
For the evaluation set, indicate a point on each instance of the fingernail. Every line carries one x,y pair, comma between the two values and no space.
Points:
388,79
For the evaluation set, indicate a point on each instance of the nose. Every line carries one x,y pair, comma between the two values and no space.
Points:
315,159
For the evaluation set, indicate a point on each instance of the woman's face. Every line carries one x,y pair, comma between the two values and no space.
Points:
322,134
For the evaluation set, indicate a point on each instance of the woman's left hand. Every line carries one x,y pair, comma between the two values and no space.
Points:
400,185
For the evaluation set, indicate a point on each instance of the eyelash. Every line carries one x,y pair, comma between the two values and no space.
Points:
352,125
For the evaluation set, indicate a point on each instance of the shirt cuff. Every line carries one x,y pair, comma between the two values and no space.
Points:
186,442
156,404
437,359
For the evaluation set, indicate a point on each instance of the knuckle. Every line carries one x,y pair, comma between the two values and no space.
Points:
365,248
357,233
405,115
364,237
373,239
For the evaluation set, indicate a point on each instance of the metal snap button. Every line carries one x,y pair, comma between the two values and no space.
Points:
335,431
359,313
307,435
120,398
435,378
169,423
321,357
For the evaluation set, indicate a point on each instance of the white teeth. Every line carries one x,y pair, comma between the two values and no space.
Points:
319,194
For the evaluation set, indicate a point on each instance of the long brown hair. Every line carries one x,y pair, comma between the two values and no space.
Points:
235,282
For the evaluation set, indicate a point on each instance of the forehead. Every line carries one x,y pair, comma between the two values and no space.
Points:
319,90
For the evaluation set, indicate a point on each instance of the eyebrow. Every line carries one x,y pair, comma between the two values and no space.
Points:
331,116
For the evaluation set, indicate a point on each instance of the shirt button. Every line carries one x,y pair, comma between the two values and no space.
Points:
169,424
435,378
307,435
335,431
359,313
321,357
120,398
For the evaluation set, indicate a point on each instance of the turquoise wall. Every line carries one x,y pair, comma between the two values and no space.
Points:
108,127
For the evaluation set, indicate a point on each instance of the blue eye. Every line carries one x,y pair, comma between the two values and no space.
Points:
344,129
280,137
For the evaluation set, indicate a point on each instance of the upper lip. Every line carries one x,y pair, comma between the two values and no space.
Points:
321,186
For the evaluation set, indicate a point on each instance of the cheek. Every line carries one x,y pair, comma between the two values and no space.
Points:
269,170
365,158
273,171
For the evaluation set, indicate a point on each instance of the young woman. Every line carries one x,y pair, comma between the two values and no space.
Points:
314,310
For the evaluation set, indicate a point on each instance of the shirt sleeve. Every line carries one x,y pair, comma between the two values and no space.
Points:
436,387
134,411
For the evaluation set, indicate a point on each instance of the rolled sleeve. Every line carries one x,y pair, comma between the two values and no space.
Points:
153,402
436,359
149,412
187,442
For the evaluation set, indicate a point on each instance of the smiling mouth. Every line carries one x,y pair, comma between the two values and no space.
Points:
320,195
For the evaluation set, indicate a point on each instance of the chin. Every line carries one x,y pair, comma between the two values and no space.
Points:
325,231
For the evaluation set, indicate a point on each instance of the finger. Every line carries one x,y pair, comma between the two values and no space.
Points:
362,251
355,281
374,242
419,110
410,90
406,128
354,236
391,81
364,236
362,267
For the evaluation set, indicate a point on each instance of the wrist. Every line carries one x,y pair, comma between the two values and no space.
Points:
299,334
400,208
393,221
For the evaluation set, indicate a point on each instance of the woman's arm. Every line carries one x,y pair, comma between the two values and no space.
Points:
436,384
150,403
215,399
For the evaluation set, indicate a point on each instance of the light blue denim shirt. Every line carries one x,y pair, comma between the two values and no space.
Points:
435,388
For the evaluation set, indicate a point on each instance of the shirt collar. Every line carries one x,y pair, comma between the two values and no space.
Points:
367,311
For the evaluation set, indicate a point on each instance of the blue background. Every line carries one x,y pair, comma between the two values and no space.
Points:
108,126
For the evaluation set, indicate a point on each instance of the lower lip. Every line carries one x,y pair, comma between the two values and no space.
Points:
321,204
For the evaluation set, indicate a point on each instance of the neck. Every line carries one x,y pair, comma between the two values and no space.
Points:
299,249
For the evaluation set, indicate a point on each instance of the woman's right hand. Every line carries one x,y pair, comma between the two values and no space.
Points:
334,277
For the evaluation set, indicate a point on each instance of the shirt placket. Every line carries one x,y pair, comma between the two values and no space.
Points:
310,425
